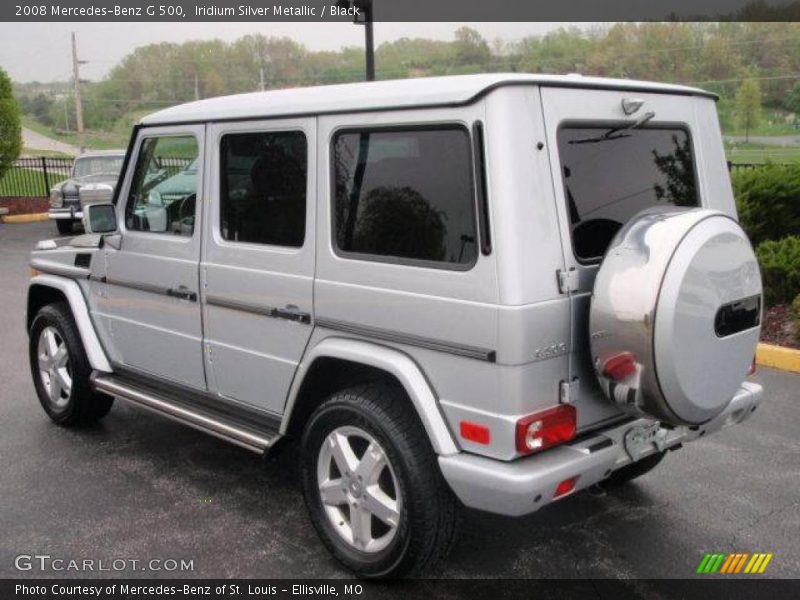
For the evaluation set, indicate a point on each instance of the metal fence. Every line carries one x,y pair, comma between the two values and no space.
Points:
732,166
33,177
172,164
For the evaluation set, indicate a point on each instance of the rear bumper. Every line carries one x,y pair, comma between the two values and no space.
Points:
526,485
73,213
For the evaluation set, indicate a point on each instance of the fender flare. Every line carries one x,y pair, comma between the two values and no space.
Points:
80,312
392,361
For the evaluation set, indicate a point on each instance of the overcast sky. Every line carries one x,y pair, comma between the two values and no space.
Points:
41,51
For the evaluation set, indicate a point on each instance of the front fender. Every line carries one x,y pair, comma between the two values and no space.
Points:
80,312
386,359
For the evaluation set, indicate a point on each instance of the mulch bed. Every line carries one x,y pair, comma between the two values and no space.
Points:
24,205
778,327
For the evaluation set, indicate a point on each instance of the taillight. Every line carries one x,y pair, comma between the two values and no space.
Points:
545,429
620,366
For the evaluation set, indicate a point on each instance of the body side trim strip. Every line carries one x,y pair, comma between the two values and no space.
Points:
267,311
410,340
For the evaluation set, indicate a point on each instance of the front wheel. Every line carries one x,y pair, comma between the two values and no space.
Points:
372,484
61,370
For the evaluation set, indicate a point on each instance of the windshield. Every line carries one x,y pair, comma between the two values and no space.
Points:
96,165
612,179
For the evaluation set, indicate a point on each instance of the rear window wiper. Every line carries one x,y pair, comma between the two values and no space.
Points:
616,132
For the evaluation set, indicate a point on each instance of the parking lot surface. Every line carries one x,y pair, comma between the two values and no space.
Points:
139,487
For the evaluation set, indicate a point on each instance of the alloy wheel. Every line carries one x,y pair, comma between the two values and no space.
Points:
358,489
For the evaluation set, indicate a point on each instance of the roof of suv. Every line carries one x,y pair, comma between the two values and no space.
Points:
389,94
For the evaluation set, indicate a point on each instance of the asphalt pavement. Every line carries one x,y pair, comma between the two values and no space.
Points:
139,487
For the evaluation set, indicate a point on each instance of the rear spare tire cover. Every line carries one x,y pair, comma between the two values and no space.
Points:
675,314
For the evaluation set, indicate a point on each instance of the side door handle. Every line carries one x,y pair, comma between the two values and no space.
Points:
183,293
292,313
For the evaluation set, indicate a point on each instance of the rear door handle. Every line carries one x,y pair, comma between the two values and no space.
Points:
183,293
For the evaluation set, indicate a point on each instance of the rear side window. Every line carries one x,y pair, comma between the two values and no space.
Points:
405,195
263,188
609,177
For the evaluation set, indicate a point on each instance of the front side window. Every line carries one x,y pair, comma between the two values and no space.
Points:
610,176
405,195
163,194
263,187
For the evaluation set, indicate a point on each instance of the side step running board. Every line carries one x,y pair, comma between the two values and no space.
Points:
258,441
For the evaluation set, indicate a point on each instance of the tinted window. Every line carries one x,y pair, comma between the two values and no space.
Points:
405,194
608,180
263,188
164,187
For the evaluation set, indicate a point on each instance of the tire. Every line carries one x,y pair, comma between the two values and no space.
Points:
64,226
60,369
630,472
378,426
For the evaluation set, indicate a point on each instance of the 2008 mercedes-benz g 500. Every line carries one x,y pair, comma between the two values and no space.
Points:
489,290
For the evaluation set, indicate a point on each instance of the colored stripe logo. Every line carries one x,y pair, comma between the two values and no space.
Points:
734,563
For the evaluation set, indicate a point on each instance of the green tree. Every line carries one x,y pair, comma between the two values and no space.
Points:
470,47
748,106
10,128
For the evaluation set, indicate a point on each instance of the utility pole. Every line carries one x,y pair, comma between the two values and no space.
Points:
196,88
78,102
363,17
369,40
261,77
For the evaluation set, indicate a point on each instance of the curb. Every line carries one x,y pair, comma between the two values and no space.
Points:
778,357
30,218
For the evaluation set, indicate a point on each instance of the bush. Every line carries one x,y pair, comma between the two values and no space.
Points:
10,128
780,269
796,314
768,201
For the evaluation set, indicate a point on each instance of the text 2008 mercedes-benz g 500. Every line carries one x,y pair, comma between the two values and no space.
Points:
489,290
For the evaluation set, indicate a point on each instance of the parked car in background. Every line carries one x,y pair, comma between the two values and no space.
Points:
102,166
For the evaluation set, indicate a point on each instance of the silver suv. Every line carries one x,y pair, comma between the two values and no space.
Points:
489,290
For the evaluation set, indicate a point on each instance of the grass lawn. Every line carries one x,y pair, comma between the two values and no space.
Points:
95,140
772,122
760,153
26,182
48,153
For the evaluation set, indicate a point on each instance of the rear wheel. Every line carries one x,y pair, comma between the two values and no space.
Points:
61,370
632,471
64,226
372,484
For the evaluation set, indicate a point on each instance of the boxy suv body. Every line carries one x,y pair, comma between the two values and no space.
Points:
493,290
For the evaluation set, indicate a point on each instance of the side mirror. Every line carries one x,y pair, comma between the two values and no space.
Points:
99,218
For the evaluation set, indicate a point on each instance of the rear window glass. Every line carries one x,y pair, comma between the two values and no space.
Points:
609,177
405,195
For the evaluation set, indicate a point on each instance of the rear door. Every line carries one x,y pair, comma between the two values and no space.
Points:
602,178
258,258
